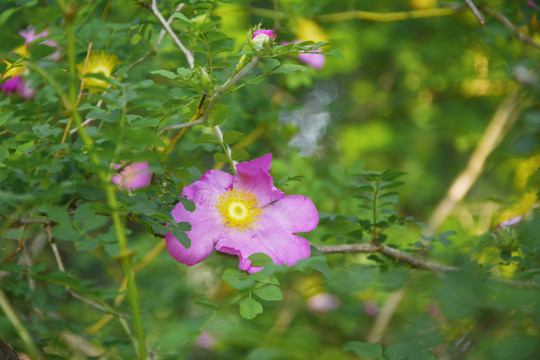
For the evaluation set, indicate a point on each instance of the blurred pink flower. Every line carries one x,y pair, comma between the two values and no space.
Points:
29,35
532,4
323,302
311,58
242,215
512,221
206,341
17,84
371,308
133,176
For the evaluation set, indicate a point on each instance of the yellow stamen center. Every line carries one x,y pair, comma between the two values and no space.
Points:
239,209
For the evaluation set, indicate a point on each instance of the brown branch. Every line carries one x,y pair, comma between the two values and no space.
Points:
481,19
504,20
369,248
414,261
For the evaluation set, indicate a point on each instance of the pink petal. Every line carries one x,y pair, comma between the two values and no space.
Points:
209,188
273,234
253,176
295,213
313,59
269,33
206,226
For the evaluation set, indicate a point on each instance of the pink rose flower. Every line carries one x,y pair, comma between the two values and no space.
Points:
242,215
29,35
17,84
134,176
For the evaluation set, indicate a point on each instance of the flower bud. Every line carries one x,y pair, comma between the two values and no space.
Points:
262,38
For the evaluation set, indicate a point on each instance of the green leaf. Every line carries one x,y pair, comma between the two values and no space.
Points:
188,204
206,139
270,64
232,136
167,74
7,13
220,157
182,238
249,308
260,259
364,350
289,68
4,153
66,232
184,72
182,17
239,154
400,350
237,279
269,293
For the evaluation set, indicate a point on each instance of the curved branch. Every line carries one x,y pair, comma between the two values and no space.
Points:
504,20
414,261
388,251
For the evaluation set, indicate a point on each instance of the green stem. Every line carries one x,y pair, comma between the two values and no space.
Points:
18,325
103,175
374,236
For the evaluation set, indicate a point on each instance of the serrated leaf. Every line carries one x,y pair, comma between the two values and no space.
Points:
237,279
166,73
182,17
239,154
188,204
249,308
391,185
182,238
269,293
206,139
232,136
400,350
270,64
260,259
184,72
289,69
220,157
390,175
364,350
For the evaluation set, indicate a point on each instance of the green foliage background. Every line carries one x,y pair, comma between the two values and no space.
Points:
414,95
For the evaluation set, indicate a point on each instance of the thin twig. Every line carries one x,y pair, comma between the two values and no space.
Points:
504,20
158,41
414,261
388,251
181,126
88,121
69,291
481,19
504,117
214,99
188,54
391,16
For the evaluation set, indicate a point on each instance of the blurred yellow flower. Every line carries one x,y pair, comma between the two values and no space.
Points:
98,63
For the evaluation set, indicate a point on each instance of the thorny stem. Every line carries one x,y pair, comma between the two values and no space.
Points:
108,187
